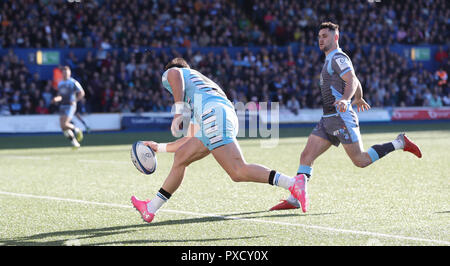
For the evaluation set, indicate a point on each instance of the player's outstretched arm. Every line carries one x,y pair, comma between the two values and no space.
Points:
80,95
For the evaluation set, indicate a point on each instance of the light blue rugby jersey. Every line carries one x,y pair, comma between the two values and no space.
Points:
68,89
198,87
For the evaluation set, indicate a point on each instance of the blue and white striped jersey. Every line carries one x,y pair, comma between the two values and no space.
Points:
198,89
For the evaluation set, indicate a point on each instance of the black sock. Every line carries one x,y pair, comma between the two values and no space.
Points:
165,193
383,149
271,176
307,175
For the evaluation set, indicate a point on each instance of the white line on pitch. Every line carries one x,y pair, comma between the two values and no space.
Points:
331,229
102,161
25,157
48,158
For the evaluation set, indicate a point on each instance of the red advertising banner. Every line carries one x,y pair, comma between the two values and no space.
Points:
420,113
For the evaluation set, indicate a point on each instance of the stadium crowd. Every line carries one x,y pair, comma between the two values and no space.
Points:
363,22
118,78
195,23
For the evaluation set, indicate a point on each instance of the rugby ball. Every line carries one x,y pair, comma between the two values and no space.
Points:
143,158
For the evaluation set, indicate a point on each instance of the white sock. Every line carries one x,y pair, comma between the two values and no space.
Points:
283,181
156,203
75,142
398,144
68,134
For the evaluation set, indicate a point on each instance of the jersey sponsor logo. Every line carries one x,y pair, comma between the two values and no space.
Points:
343,62
341,132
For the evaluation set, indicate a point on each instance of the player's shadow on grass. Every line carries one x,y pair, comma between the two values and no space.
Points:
71,235
76,237
278,214
173,241
235,216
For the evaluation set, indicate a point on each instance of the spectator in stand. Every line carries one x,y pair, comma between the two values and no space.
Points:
293,105
251,72
441,77
161,24
435,100
4,107
446,99
15,106
441,56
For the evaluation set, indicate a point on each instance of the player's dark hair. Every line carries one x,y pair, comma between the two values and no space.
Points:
329,25
65,67
177,62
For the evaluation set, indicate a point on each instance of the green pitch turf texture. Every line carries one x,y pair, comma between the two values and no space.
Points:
53,195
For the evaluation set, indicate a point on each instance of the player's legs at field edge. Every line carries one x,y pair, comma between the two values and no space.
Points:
191,151
65,124
362,159
315,146
230,157
68,129
356,152
74,134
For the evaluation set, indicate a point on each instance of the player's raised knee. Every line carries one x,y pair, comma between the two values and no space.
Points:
181,158
361,163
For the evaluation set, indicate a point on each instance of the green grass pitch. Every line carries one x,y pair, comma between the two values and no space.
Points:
52,195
